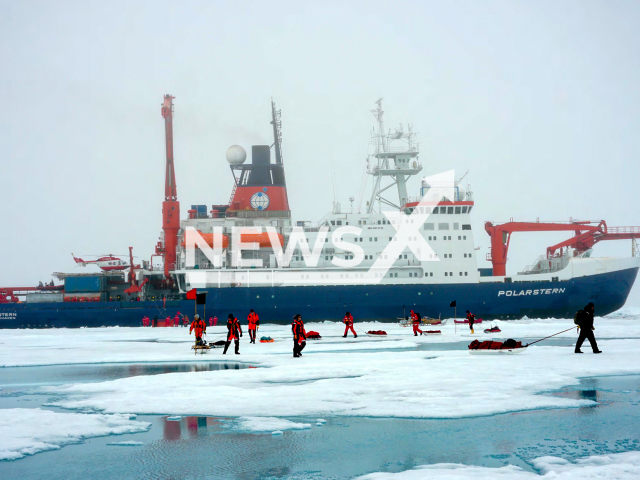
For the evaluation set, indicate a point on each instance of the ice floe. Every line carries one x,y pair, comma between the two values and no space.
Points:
619,466
27,431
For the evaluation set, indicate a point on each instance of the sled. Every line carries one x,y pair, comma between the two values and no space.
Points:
311,335
377,333
492,330
488,347
433,332
502,351
269,340
202,349
433,321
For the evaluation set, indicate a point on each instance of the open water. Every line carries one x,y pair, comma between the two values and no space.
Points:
209,447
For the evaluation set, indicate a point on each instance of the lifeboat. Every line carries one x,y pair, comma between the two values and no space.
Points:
209,237
261,239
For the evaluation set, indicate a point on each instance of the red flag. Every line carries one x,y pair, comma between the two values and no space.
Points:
192,294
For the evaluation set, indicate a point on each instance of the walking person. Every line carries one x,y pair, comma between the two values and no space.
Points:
211,321
254,322
200,328
348,324
234,332
416,318
472,319
299,336
215,320
584,320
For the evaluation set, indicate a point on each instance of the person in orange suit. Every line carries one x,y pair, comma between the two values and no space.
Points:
416,318
254,323
200,328
348,325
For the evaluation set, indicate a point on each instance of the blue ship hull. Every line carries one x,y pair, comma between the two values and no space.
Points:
385,303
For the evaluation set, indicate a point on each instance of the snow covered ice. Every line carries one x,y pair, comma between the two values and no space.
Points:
29,431
610,467
400,376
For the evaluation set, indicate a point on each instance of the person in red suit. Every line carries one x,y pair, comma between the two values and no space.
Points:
200,328
234,333
416,318
472,319
299,335
348,325
254,323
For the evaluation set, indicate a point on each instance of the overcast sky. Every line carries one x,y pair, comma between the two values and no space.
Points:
538,100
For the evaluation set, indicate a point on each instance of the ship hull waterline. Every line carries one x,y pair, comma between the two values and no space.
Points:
383,303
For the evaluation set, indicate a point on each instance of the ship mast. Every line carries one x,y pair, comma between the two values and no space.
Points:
395,156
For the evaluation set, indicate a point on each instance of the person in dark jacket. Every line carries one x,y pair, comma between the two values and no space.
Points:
234,333
585,325
299,335
472,319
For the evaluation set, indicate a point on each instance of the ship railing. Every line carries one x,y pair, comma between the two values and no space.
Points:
630,230
258,214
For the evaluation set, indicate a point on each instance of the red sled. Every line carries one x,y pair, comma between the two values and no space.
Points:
492,348
376,332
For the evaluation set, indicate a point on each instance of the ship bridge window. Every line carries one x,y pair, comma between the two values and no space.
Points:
458,209
466,227
436,210
443,226
450,210
470,209
333,222
429,226
339,222
464,209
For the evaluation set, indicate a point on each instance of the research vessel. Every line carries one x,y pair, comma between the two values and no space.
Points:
390,253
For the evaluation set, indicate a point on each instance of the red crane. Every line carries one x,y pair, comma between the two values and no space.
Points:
170,206
587,234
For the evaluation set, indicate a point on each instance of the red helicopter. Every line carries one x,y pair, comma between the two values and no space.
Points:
107,262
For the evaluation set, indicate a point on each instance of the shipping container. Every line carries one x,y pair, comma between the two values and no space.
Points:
44,297
82,297
84,284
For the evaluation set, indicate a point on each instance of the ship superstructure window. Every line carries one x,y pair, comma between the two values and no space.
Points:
464,209
333,222
446,274
456,226
450,210
429,226
466,227
443,226
339,222
466,274
458,209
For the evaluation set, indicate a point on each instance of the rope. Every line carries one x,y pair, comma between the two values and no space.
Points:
550,336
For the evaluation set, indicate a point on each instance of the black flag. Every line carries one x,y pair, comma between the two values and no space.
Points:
201,298
452,304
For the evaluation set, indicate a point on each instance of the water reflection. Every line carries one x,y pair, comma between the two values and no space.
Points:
83,373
